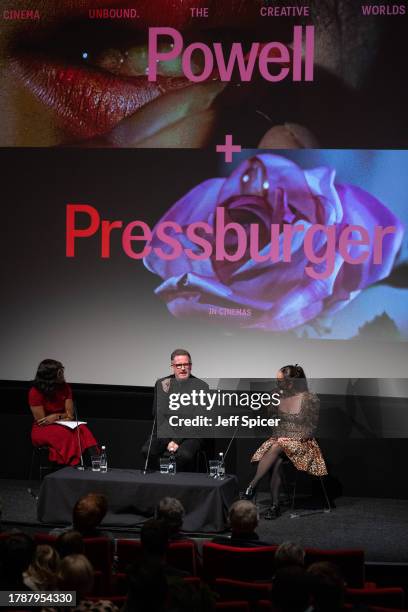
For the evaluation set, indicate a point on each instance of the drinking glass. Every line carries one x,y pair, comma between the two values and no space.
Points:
213,464
164,465
96,463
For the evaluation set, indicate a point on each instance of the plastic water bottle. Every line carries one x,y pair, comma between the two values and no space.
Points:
104,460
172,464
221,466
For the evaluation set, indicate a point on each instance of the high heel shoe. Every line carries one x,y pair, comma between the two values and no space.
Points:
250,493
272,513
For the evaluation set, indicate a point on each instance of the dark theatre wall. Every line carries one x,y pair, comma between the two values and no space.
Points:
120,417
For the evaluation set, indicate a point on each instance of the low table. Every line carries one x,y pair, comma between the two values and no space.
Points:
133,495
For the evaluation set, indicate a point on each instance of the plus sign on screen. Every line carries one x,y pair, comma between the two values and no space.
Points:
228,148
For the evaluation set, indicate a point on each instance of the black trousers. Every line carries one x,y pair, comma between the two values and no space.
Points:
185,454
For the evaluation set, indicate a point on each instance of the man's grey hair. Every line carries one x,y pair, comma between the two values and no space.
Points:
289,553
243,516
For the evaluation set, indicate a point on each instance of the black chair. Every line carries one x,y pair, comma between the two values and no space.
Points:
40,456
290,489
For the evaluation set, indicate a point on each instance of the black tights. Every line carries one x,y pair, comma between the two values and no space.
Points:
270,462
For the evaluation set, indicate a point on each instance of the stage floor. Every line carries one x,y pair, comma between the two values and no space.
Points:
379,526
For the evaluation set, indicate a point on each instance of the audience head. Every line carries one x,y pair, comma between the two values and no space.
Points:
50,373
289,553
327,587
70,543
89,512
154,537
290,592
16,553
148,588
171,512
292,379
243,517
76,574
44,567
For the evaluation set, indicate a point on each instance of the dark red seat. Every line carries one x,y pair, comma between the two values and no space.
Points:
127,552
44,538
181,554
120,584
228,589
232,606
350,563
99,551
193,581
377,609
221,561
391,597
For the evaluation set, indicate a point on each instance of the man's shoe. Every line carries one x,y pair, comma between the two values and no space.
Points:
272,513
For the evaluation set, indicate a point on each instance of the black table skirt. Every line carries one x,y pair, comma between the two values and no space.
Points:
132,495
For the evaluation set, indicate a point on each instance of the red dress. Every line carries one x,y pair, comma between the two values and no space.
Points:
62,441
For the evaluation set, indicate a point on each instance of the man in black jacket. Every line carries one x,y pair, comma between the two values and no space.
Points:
180,381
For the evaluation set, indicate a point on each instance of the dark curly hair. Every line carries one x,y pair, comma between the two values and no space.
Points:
294,379
48,375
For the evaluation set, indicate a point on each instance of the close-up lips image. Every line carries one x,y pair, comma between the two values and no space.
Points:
76,77
89,103
92,73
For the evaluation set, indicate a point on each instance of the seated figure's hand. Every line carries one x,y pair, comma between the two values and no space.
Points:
49,419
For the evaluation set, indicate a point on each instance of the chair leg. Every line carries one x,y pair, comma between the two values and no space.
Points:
325,495
285,485
41,468
292,506
207,467
30,473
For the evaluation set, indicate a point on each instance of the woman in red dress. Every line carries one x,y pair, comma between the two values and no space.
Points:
50,400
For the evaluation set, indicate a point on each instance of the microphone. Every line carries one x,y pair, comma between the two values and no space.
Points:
230,442
81,466
144,471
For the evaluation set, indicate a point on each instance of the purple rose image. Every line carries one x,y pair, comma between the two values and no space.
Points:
272,246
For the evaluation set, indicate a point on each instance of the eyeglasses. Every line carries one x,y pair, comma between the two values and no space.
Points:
178,366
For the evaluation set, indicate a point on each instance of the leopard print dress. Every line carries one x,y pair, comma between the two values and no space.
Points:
296,438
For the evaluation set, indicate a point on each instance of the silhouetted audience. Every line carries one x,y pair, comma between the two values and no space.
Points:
153,590
148,588
154,585
16,554
154,537
171,511
76,574
327,587
41,574
289,554
290,591
70,543
87,515
243,519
